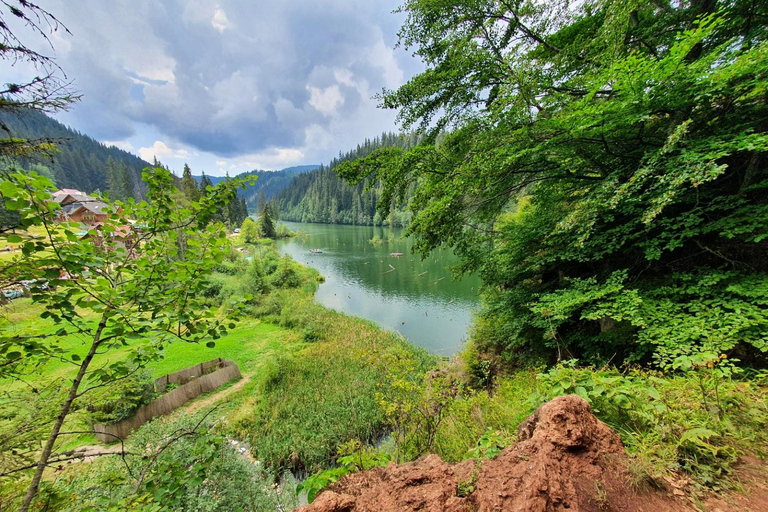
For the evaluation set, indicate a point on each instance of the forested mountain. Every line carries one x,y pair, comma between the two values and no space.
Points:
270,182
82,163
321,196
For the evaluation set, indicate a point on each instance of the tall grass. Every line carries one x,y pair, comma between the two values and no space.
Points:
309,403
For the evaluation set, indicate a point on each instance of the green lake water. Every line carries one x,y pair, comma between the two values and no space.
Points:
416,298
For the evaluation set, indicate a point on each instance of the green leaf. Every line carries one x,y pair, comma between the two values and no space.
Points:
210,344
8,189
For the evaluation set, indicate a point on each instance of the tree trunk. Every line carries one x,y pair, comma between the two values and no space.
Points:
48,449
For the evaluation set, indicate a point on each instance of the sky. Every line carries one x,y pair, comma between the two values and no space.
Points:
226,85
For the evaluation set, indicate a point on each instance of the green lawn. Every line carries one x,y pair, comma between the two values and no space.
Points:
247,345
250,345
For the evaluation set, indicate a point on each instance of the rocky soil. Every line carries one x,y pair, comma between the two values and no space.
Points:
566,460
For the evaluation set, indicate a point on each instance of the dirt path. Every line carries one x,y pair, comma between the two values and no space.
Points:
89,452
196,405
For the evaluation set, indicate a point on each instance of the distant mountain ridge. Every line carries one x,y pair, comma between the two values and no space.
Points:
82,163
271,182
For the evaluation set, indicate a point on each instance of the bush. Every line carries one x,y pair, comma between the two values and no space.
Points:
286,275
120,399
697,421
254,281
354,457
231,268
183,464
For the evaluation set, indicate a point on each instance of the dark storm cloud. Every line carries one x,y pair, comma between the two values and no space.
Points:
231,77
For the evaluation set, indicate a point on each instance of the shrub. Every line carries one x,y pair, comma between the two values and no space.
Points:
182,464
354,457
697,420
120,399
254,281
286,274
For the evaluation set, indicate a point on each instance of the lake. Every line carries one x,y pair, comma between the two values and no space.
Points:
404,294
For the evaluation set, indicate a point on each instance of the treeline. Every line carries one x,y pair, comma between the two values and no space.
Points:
85,164
82,163
321,196
232,214
270,183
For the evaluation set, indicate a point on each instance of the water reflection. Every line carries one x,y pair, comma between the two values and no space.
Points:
405,294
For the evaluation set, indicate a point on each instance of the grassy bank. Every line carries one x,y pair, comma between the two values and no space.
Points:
312,375
321,385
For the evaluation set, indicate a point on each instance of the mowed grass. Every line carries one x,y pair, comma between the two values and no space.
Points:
249,344
7,256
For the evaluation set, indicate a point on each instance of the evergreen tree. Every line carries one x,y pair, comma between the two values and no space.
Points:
261,204
119,183
321,196
189,185
244,208
266,222
237,212
205,182
79,162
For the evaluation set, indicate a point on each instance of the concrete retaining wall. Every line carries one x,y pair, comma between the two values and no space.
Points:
194,381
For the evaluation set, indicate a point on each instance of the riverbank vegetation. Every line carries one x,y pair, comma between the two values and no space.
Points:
294,354
602,167
613,205
603,170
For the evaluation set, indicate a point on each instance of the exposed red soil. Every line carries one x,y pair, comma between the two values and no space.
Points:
566,460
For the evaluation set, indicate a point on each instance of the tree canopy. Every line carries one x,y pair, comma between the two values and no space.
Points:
126,283
603,169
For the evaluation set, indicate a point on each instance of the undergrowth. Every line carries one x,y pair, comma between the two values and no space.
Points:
696,422
310,402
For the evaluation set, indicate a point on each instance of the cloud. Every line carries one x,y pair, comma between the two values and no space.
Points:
161,150
233,78
220,21
124,145
325,100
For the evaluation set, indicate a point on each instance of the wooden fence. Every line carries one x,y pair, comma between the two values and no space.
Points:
187,374
194,381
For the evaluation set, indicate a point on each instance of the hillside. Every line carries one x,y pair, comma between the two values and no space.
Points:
86,164
271,182
82,163
321,196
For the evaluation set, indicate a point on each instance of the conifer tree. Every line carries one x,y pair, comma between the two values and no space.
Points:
189,185
266,222
119,182
205,182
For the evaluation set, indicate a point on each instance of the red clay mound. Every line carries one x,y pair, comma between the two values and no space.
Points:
566,460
